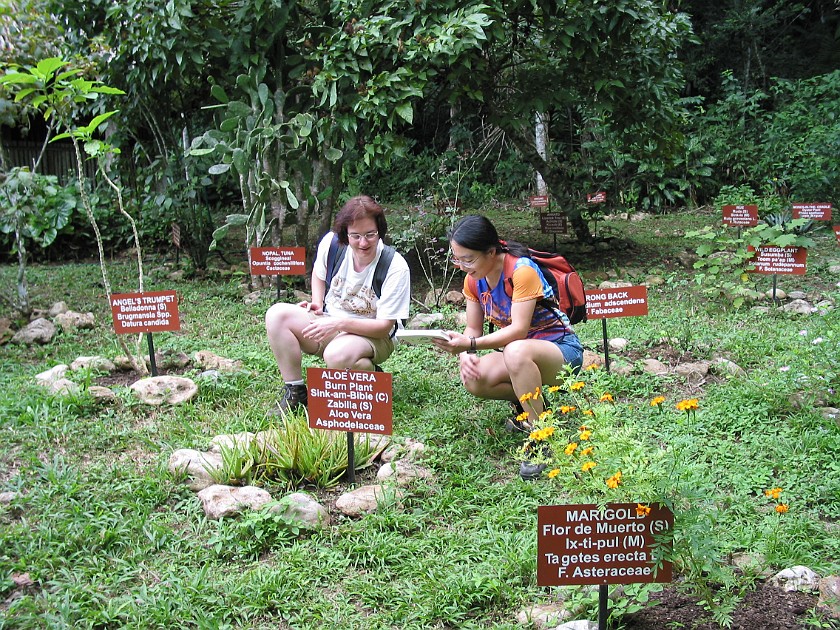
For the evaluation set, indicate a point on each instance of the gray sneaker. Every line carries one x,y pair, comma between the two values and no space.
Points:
531,470
293,396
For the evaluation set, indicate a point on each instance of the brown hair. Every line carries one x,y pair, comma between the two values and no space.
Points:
361,207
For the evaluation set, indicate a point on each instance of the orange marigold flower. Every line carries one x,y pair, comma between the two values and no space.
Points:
613,482
782,508
553,473
537,392
567,409
607,397
522,417
690,404
773,493
570,448
577,385
588,412
586,451
545,414
526,397
657,401
591,367
642,510
588,466
554,388
585,435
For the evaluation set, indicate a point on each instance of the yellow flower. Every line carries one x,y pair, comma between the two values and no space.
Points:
689,404
553,473
526,397
607,397
567,409
570,448
549,431
588,466
642,510
522,417
591,367
588,412
657,401
554,388
613,482
585,435
586,451
577,385
782,508
537,392
774,493
545,414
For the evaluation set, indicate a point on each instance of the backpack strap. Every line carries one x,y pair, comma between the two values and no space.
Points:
381,271
335,255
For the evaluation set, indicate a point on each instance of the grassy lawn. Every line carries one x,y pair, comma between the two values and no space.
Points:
109,539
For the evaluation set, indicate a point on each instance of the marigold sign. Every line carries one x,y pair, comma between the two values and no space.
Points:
582,544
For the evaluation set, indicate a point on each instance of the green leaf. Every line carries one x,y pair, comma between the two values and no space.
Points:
406,112
219,93
332,154
236,219
218,169
293,202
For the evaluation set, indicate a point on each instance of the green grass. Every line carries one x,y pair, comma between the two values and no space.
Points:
111,540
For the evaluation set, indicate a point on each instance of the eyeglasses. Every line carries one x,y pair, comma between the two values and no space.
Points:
368,236
465,264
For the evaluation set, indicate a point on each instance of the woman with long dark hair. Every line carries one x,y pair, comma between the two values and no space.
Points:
536,340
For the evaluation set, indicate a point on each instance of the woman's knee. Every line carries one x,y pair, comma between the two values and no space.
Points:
516,355
278,316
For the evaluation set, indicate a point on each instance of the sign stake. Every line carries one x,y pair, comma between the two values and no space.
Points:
603,599
606,343
775,301
351,459
152,354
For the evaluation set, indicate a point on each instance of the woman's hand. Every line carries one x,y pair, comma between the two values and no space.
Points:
469,367
322,329
312,307
456,343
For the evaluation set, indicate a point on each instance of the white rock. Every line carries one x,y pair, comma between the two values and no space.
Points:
721,365
171,390
798,307
61,387
242,440
252,298
543,616
580,624
72,320
57,309
97,363
614,284
196,465
39,331
102,394
53,374
301,507
207,360
617,344
830,595
366,499
402,472
219,501
654,366
796,578
8,497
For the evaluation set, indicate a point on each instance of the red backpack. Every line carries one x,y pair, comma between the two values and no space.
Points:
561,276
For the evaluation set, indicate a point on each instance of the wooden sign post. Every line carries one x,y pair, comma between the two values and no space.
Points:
277,261
351,401
771,259
145,313
585,544
624,302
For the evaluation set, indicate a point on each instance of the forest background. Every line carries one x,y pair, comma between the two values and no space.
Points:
266,115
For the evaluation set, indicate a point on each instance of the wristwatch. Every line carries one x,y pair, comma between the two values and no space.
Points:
472,349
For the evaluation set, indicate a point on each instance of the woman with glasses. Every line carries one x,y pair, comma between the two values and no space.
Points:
536,341
347,323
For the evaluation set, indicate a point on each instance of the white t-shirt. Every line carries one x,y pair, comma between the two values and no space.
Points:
351,294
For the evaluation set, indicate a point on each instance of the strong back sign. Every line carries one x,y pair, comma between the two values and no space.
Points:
582,544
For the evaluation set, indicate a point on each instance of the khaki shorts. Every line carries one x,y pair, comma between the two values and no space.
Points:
382,348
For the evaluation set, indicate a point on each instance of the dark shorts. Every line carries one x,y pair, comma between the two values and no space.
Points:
572,350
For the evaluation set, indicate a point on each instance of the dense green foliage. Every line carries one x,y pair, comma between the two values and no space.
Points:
109,538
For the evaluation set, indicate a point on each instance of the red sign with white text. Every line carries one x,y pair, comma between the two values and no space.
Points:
277,261
814,211
598,197
155,311
740,215
350,400
582,544
539,201
623,302
769,259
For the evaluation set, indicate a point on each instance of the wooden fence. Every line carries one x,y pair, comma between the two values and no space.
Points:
59,158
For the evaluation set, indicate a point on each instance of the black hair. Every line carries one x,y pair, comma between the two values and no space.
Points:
476,232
